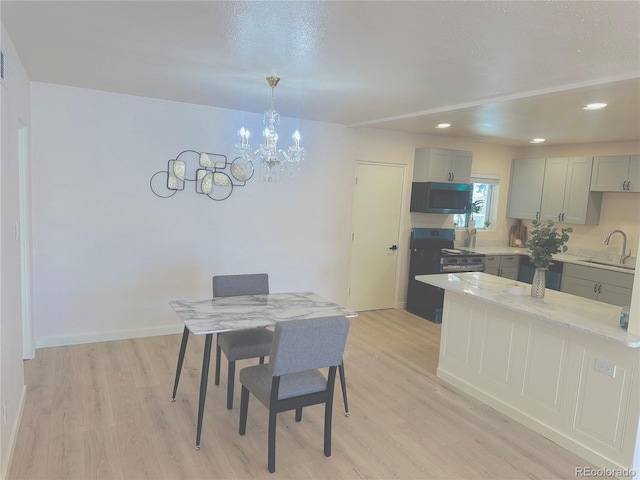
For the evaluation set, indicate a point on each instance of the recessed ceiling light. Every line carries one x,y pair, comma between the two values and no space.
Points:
594,106
537,140
443,125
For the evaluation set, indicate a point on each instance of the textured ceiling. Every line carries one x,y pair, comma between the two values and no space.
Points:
504,72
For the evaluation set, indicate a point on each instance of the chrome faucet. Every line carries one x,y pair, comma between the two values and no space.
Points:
624,255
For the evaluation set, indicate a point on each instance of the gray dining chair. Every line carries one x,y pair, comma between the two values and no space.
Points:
240,344
292,379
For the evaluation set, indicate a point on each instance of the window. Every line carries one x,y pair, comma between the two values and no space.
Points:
485,202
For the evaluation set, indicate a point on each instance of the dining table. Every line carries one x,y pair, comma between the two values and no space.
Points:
224,314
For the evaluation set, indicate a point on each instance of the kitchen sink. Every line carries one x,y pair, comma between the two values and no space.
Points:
609,264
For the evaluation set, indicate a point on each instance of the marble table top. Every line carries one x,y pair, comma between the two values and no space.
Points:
222,314
588,316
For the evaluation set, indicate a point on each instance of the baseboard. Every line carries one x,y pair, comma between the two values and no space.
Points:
6,468
59,341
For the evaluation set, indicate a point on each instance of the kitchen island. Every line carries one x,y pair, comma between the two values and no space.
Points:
560,365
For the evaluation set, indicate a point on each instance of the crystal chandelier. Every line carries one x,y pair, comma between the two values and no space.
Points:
273,162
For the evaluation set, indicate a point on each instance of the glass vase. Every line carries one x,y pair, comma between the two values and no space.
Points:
537,284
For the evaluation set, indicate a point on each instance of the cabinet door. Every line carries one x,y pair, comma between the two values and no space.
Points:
510,261
492,271
439,168
555,177
492,261
579,287
634,174
576,207
525,188
461,166
614,295
609,173
509,272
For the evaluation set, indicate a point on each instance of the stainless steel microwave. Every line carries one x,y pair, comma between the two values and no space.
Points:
436,197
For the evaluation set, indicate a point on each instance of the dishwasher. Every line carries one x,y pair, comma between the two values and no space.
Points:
553,277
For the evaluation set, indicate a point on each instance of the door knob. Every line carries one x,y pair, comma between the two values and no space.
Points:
393,247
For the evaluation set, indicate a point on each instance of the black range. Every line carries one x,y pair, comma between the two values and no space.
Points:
432,251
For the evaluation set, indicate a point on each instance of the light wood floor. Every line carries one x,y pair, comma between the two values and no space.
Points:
103,410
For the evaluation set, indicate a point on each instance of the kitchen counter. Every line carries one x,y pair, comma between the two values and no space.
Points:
569,311
561,257
560,365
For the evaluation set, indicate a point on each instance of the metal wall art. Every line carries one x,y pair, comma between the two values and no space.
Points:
213,175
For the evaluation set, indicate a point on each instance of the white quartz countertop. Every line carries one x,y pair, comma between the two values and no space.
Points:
561,257
582,314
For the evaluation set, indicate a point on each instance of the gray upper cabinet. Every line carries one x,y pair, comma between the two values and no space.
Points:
442,165
619,173
525,188
554,189
566,196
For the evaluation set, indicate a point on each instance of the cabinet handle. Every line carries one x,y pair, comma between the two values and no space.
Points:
559,216
599,288
453,176
537,215
499,272
595,288
625,185
563,217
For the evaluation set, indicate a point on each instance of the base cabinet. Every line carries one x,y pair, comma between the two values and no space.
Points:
597,284
503,265
579,390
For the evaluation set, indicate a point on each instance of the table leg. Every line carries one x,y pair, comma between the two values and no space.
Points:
203,385
183,348
343,384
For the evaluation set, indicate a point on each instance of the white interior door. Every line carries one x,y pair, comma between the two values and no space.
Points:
377,209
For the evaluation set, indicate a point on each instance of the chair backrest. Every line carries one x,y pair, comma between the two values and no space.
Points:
300,345
246,284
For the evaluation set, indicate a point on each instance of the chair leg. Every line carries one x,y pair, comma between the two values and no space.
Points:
231,377
218,350
328,411
183,348
298,414
271,463
343,384
244,409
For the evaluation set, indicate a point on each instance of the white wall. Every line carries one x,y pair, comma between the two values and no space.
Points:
14,100
109,255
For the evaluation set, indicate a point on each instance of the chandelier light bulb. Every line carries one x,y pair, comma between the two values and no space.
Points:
296,139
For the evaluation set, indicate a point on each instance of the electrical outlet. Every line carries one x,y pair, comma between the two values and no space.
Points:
606,368
4,412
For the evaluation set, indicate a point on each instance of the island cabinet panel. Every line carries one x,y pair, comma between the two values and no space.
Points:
545,370
596,389
577,389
